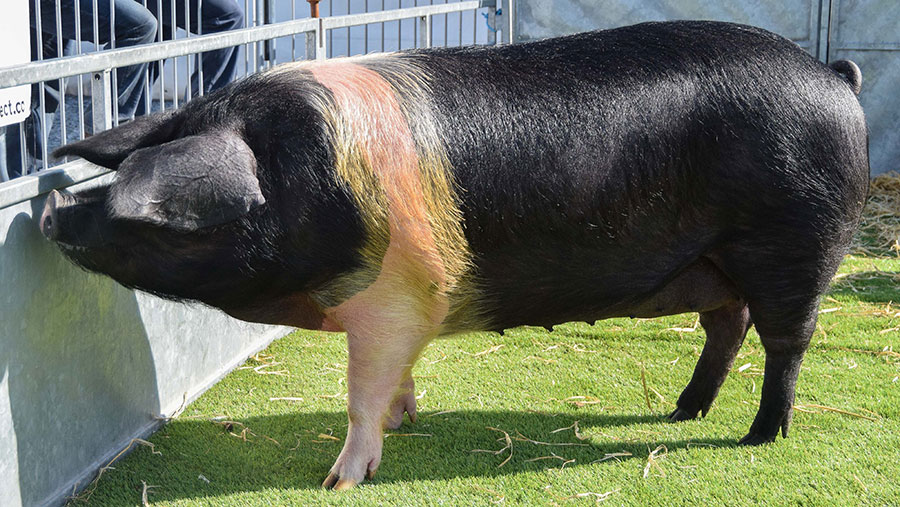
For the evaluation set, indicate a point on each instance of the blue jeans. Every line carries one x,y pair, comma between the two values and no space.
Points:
215,16
133,25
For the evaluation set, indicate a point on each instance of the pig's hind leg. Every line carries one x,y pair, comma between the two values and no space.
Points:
725,329
782,292
785,342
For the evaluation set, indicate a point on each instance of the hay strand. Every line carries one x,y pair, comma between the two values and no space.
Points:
646,391
653,460
805,408
598,497
881,218
508,446
86,494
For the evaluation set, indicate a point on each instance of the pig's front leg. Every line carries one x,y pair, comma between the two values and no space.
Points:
376,371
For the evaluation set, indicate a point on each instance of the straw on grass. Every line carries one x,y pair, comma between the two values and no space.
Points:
485,352
266,361
692,329
522,438
146,489
553,455
805,408
229,427
490,491
613,455
509,446
442,412
86,494
598,497
325,437
580,401
574,427
644,383
653,460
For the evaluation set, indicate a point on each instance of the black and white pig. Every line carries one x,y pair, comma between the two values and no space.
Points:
649,170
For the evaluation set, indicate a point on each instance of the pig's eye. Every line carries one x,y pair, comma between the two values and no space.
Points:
188,184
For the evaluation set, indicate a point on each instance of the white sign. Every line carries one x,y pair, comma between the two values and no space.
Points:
15,41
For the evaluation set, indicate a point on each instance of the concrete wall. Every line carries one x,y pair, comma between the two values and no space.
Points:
86,365
865,31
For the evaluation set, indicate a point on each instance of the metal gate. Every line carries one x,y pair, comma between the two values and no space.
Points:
865,31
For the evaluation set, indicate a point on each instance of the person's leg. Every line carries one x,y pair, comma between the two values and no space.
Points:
11,156
218,66
44,44
216,16
9,151
133,25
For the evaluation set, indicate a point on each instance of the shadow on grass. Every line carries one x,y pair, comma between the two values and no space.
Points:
193,452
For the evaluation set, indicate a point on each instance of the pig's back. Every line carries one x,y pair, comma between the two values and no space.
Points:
593,168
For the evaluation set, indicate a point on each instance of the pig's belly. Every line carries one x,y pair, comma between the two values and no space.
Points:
633,291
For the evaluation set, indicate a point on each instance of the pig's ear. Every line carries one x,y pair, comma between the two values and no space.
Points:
111,147
189,183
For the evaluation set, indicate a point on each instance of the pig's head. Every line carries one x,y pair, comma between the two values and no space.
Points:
194,212
174,216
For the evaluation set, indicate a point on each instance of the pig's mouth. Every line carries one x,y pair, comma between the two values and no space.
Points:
72,248
74,226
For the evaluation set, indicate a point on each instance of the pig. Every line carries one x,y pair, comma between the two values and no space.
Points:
643,171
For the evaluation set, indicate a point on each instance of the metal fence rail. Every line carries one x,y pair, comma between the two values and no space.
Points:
477,22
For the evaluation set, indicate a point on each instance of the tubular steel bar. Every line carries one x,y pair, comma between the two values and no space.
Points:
424,31
200,88
405,13
27,187
173,9
62,82
95,62
101,65
102,99
508,35
162,60
56,68
80,81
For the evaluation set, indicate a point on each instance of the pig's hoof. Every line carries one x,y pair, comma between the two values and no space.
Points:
765,427
340,482
679,414
756,439
333,481
359,459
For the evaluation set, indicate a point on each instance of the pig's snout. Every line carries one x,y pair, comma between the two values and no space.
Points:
49,223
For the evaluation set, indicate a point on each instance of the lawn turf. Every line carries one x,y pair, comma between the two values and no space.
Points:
235,445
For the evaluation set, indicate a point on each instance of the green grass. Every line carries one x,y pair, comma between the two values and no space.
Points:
531,383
